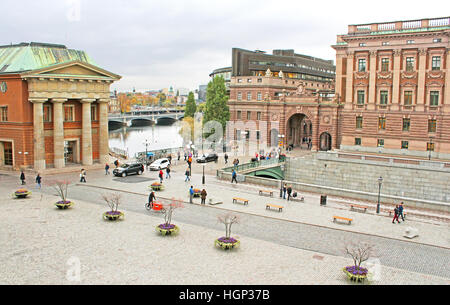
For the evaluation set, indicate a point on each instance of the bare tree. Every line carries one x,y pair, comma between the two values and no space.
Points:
61,188
228,220
168,209
113,200
359,252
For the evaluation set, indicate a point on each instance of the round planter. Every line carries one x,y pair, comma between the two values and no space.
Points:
158,187
113,215
227,243
64,204
197,193
21,193
167,230
355,273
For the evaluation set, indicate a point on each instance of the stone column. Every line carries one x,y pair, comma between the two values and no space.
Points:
103,134
421,79
372,80
396,79
38,133
86,132
58,133
349,82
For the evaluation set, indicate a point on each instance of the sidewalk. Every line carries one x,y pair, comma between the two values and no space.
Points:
431,232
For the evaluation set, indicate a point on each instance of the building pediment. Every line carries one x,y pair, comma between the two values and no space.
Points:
72,70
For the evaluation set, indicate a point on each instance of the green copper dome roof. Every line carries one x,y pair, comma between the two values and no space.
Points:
32,56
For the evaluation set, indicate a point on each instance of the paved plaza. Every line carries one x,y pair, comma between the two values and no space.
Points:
301,245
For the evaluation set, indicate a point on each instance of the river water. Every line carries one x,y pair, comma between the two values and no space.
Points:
132,139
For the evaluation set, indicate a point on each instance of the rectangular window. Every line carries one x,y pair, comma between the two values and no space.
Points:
406,124
381,123
249,80
69,114
405,144
239,80
361,98
259,96
407,97
259,80
359,122
434,98
409,64
436,63
239,96
362,65
249,115
7,153
362,44
380,143
357,141
385,64
431,125
3,113
239,113
383,97
47,113
93,112
249,96
385,43
258,115
430,146
258,135
237,135
410,41
437,40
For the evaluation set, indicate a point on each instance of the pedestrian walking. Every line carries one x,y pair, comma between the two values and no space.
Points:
116,163
187,173
151,199
161,176
185,156
107,169
400,211
82,176
167,172
289,191
226,158
38,180
395,215
178,155
233,176
284,191
191,194
22,177
203,196
170,158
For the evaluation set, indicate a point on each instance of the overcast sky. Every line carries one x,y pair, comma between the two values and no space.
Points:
155,44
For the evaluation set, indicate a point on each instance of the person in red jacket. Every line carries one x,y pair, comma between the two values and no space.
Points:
161,175
396,214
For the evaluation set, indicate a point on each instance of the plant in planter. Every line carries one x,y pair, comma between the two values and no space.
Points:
21,193
167,228
227,242
157,186
113,201
61,188
197,192
360,253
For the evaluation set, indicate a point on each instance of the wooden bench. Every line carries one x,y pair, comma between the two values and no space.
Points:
279,207
342,218
361,207
236,200
270,193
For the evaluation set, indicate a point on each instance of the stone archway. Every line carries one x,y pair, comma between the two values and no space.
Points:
299,131
325,141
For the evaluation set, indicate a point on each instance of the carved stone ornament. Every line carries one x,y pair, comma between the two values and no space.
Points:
384,75
268,73
361,75
397,53
422,52
435,74
300,89
280,75
409,75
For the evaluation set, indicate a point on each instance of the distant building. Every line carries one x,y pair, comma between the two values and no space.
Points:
202,93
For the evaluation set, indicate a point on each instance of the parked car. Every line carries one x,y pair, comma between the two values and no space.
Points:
208,158
128,169
159,164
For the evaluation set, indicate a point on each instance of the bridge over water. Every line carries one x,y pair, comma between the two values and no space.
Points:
272,168
145,117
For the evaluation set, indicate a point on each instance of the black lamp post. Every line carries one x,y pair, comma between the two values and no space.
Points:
430,147
380,181
203,177
281,184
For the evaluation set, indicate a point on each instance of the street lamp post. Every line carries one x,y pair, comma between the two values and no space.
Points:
281,182
282,139
380,181
430,147
203,177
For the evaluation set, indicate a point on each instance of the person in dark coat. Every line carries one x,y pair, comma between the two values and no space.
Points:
151,199
38,180
289,191
400,211
233,176
22,177
187,173
203,196
284,191
167,172
395,215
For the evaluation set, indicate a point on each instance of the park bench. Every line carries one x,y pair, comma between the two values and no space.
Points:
270,193
342,218
236,200
279,207
358,207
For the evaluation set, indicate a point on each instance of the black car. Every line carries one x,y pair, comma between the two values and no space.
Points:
128,169
208,158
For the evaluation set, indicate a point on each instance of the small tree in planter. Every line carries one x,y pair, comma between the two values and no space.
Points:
360,253
227,242
167,228
61,188
113,201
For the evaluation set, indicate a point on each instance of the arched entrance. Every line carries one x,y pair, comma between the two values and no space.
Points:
325,141
299,131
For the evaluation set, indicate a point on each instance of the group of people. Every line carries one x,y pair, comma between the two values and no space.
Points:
38,179
287,189
398,211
